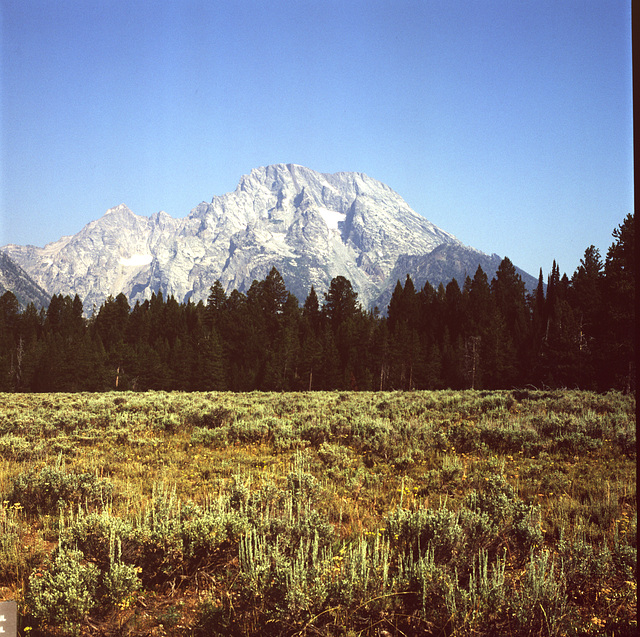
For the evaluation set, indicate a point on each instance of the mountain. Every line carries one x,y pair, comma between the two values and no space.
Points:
14,279
443,264
311,226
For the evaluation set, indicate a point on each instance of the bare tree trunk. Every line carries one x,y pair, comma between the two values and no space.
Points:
19,355
472,358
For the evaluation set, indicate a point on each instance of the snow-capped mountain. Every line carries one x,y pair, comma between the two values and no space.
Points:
311,226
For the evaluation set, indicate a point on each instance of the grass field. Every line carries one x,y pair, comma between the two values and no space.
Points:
415,513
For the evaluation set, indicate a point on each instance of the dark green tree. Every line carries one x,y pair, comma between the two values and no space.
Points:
273,296
559,352
586,299
217,297
11,346
620,271
311,327
395,311
508,291
405,351
341,302
344,316
111,321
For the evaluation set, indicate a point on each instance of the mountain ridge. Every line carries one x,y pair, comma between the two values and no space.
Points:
312,226
14,279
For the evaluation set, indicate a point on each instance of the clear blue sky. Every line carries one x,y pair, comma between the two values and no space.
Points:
507,123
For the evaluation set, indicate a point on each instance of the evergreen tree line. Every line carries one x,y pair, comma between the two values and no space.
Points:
576,332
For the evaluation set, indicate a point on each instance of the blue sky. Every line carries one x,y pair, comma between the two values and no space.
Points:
507,123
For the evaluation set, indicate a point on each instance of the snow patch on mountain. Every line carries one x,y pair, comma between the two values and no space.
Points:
136,260
331,217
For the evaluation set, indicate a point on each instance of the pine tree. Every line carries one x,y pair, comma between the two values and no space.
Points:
405,351
111,321
508,291
620,298
427,319
216,300
340,302
477,344
210,364
311,309
344,316
395,310
560,348
273,296
10,352
538,310
586,295
454,308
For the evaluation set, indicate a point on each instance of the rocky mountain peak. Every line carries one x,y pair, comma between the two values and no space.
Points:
119,209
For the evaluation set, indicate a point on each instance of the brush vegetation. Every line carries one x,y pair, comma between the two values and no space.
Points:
415,513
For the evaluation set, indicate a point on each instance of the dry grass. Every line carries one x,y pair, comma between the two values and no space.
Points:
568,458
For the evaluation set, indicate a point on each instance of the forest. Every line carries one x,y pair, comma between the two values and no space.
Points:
573,332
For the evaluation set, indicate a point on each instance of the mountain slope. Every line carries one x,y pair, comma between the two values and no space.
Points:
14,279
442,265
311,226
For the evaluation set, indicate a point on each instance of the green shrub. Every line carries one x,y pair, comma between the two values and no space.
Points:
164,539
218,437
496,499
213,619
576,443
418,531
510,437
63,593
315,431
539,606
16,447
464,436
52,488
452,468
10,558
497,507
283,433
373,435
215,418
586,568
625,437
481,606
427,585
480,529
120,581
334,456
205,529
248,431
526,525
168,422
93,535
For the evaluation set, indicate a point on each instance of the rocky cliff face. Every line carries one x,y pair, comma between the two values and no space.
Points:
311,226
14,279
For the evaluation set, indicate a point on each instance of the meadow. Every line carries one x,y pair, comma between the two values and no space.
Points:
320,513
